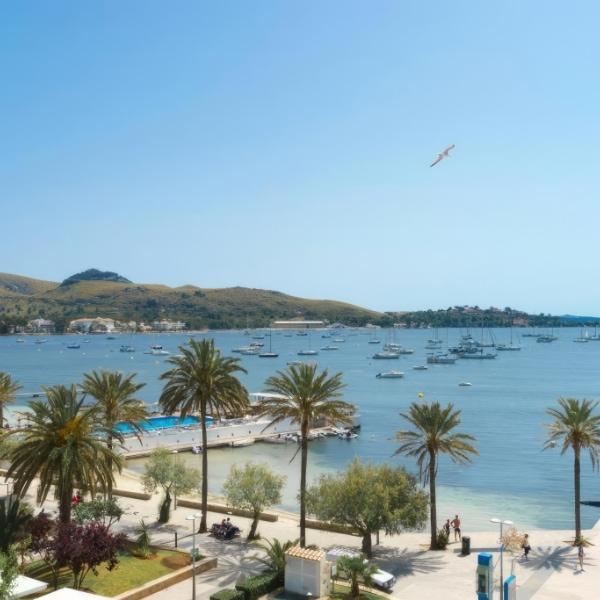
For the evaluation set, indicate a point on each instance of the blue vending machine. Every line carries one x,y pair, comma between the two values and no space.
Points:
485,576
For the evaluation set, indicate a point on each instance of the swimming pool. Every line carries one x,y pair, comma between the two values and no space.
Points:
155,423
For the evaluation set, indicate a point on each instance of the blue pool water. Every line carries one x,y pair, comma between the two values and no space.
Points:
155,423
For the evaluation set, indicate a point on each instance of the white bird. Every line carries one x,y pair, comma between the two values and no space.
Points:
442,155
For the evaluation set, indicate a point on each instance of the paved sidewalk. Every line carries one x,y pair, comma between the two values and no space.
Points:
422,575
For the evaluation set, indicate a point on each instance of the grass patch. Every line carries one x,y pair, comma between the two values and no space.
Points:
131,572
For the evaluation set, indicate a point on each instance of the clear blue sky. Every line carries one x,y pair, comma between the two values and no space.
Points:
286,145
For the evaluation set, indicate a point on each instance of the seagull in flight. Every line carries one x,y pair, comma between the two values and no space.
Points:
442,155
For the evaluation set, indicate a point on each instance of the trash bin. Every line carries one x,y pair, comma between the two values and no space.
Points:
466,546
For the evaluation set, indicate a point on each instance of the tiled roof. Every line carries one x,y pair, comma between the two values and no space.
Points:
306,553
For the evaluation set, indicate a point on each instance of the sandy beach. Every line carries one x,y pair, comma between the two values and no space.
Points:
548,574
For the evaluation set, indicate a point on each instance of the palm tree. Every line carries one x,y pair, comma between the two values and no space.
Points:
304,397
117,403
357,569
434,435
62,447
578,429
8,389
203,380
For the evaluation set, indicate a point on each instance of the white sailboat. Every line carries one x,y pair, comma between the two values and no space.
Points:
270,353
511,346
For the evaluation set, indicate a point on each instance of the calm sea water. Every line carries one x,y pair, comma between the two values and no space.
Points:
504,409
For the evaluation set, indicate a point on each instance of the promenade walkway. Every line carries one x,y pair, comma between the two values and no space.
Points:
421,574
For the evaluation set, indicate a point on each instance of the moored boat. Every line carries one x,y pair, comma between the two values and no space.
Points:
241,442
390,375
386,354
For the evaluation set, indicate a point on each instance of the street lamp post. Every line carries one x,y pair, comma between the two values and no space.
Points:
174,476
501,523
193,518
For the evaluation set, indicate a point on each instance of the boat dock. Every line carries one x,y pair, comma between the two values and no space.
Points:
184,439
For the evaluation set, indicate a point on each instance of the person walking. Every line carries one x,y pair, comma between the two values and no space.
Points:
456,524
580,555
526,547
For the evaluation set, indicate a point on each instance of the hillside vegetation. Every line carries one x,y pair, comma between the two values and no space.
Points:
16,285
199,308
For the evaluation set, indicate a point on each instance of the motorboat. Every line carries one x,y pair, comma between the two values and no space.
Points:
86,341
21,341
390,375
196,449
330,348
348,434
511,347
445,359
339,340
241,442
275,439
386,354
251,351
73,346
479,355
308,352
40,341
158,351
126,348
465,384
420,368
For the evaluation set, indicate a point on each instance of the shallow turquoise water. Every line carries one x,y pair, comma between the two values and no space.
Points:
512,478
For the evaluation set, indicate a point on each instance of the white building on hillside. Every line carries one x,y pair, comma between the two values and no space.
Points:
96,324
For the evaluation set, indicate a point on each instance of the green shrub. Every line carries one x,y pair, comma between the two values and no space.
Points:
228,595
442,539
259,585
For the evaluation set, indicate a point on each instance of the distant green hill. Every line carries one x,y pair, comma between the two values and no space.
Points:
23,298
95,275
16,285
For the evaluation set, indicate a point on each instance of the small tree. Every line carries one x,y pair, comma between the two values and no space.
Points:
143,539
273,555
165,471
42,530
14,516
357,569
106,512
84,548
9,569
370,498
253,487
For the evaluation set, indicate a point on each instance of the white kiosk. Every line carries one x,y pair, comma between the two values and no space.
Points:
307,572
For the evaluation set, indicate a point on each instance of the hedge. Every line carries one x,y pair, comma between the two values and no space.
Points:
228,594
259,585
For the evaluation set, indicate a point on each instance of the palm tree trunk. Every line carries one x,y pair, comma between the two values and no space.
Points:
577,474
109,485
65,501
203,528
432,500
303,465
